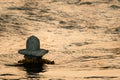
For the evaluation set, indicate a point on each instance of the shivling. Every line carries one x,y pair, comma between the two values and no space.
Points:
33,49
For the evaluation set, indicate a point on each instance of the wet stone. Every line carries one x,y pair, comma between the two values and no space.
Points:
33,48
33,53
33,43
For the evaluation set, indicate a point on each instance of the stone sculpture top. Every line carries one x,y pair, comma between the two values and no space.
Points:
33,48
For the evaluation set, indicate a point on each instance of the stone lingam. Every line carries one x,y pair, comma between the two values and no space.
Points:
33,53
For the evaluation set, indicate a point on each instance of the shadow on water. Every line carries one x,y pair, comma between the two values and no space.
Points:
31,70
34,68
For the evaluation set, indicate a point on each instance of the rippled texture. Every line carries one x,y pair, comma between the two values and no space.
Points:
82,36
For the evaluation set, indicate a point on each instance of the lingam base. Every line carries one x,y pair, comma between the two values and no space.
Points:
35,61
